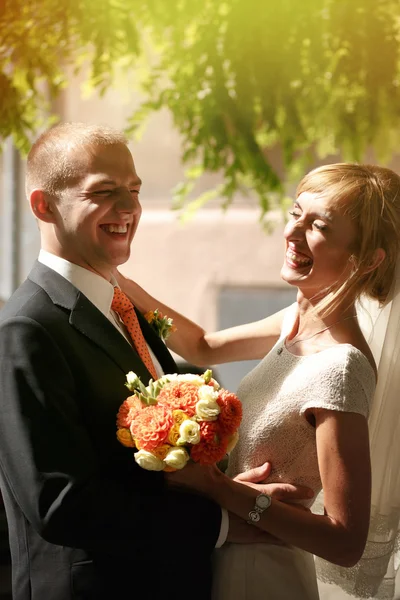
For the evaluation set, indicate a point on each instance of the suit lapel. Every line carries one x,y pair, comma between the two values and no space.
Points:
93,324
157,345
88,320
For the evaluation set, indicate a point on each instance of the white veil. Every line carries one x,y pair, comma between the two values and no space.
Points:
374,575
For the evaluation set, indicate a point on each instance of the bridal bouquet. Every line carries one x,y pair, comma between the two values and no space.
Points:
177,418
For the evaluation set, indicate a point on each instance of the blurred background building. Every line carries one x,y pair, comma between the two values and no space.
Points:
219,268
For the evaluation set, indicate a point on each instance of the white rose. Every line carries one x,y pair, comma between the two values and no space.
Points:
207,411
148,461
215,384
184,377
206,392
132,381
207,408
189,432
190,378
233,440
177,458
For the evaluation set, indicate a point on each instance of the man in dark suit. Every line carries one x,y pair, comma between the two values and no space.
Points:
85,521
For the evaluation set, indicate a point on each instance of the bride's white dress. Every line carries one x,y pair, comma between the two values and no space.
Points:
275,397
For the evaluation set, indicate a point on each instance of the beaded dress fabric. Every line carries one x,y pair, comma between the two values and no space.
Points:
275,397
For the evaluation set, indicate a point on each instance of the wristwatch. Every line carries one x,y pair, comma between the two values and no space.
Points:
263,501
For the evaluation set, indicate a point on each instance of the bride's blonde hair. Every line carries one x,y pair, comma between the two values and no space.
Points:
370,195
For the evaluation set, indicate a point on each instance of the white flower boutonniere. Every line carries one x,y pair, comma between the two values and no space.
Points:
162,325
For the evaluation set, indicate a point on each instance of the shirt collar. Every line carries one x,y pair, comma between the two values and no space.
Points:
98,290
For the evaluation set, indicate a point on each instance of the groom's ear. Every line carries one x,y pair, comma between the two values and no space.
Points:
42,206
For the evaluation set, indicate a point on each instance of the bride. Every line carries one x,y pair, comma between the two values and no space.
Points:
306,404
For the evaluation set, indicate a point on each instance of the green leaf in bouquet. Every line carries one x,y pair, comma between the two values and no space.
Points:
207,376
147,399
143,388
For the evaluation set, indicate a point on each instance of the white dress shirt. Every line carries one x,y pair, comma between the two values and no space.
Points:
100,292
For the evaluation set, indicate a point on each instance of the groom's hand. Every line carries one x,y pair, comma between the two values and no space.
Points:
285,492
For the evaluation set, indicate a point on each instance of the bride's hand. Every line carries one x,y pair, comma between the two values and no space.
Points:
135,293
121,279
285,492
203,479
125,283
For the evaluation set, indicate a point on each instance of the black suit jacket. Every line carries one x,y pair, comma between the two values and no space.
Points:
85,521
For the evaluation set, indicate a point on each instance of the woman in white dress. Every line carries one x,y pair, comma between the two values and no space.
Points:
307,402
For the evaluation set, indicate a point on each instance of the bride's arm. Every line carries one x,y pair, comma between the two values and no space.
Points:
339,535
244,342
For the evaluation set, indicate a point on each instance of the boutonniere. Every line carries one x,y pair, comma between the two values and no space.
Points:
162,325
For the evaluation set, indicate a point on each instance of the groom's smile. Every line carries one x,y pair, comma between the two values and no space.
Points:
97,218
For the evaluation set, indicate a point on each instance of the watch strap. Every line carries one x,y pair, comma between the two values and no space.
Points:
255,514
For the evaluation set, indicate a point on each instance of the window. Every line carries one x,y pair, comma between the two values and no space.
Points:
238,305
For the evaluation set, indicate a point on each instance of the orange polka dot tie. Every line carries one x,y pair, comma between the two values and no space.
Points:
124,308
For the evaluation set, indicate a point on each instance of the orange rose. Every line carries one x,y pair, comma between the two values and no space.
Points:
179,395
174,435
149,316
124,436
210,431
128,411
212,446
231,412
151,426
179,416
162,451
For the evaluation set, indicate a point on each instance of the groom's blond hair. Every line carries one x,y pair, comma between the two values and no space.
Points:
51,163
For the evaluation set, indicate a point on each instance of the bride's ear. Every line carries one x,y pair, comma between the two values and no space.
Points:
377,258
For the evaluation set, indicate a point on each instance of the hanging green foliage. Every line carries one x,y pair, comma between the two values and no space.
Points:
240,78
39,39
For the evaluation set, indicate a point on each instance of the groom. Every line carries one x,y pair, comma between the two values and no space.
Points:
85,521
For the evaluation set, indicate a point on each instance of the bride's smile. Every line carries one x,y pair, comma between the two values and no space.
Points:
319,240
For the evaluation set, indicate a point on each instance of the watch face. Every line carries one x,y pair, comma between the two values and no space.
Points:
254,516
263,501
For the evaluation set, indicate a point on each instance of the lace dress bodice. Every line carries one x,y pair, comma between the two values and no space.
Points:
276,396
